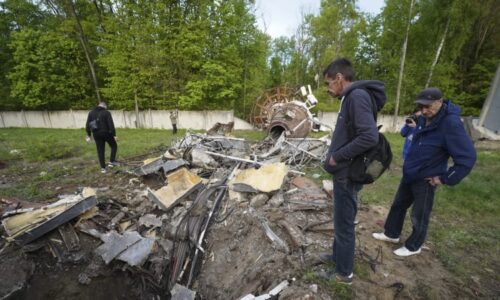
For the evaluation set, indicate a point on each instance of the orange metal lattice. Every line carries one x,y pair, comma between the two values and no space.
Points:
262,112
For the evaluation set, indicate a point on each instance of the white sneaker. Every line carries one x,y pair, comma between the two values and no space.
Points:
103,170
113,164
403,251
382,237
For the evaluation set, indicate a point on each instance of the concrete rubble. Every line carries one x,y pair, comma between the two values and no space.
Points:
189,214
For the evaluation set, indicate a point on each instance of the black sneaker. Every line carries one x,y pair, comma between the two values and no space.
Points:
332,276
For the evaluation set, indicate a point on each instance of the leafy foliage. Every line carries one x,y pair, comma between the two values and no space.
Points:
60,54
47,72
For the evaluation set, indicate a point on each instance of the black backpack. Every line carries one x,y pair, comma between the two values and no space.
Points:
94,124
370,165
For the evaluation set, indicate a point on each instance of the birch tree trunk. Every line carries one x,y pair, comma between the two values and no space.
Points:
438,53
402,66
83,42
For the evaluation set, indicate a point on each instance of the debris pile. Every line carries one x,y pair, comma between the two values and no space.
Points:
214,216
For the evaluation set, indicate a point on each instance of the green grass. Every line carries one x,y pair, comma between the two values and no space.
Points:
362,270
338,290
38,145
55,152
250,135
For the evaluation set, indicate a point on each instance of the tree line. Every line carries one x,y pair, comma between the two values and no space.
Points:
206,54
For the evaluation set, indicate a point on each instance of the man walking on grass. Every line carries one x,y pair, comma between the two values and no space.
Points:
439,134
100,125
355,132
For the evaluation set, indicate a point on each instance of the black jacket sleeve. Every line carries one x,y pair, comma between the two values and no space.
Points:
87,126
364,126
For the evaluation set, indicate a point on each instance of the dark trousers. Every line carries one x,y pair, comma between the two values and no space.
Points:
421,195
174,128
345,207
100,141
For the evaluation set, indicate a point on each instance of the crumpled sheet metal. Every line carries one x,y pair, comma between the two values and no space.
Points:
153,165
225,142
130,247
266,179
138,253
199,159
219,144
28,226
180,184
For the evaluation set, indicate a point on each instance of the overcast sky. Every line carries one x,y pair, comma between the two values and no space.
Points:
281,17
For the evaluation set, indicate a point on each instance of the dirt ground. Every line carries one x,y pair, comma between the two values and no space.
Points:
239,258
242,257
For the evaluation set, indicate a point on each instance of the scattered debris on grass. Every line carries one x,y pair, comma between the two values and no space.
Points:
214,217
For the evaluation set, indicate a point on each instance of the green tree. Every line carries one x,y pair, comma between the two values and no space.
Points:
190,55
47,72
334,32
281,57
15,15
479,57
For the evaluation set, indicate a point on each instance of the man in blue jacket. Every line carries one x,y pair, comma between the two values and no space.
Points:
439,135
355,132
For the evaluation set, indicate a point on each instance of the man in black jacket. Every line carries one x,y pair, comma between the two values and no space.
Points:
100,124
355,132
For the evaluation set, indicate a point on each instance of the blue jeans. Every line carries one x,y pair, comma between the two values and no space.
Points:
345,207
421,195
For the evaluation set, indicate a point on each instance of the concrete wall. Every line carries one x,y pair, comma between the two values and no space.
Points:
330,118
159,119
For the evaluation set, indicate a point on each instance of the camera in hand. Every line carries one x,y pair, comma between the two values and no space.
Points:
411,118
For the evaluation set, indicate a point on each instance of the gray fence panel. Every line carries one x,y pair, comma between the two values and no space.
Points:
160,119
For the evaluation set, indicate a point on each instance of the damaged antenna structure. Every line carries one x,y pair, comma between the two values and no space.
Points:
284,110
